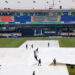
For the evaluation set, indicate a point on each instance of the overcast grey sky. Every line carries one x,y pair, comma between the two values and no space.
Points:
40,4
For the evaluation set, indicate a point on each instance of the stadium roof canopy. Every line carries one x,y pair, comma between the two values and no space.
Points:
33,9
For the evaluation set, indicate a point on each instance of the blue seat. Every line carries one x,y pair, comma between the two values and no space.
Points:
67,18
22,19
65,13
11,22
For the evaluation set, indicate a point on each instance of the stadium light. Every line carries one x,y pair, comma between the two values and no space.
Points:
53,3
19,2
59,1
6,1
47,2
34,1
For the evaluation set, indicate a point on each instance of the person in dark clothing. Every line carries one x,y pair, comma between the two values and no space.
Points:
32,45
54,61
34,52
48,44
33,73
35,57
39,62
37,50
26,46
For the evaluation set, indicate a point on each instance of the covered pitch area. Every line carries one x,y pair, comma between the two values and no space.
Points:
20,60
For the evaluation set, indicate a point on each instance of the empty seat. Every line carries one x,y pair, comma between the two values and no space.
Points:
11,22
67,18
12,18
22,19
6,19
38,18
52,18
45,18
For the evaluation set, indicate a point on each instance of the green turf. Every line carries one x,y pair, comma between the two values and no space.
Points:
8,42
71,71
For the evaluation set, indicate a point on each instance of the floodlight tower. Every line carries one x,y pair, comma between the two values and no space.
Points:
53,3
48,4
60,4
34,2
6,4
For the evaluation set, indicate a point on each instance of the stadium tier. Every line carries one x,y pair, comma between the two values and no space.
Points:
36,19
68,18
6,19
38,22
28,19
36,16
22,19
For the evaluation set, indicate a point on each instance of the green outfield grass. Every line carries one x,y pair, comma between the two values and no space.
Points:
71,71
8,42
15,43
